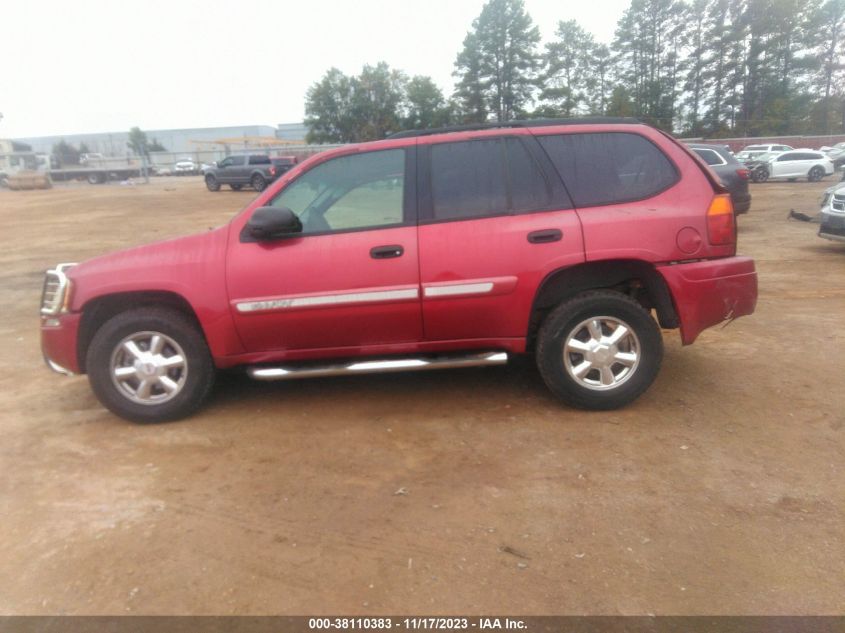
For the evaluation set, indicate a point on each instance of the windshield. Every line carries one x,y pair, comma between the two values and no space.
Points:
763,156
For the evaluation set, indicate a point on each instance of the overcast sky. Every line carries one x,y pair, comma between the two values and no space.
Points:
98,66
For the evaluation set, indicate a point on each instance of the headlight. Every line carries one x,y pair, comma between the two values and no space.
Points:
56,291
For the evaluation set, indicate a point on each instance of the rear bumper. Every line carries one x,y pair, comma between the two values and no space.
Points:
711,292
58,342
741,202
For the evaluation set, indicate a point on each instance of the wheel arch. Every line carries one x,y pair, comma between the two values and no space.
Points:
100,309
636,278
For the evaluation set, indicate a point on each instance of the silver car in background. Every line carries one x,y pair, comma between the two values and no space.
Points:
832,217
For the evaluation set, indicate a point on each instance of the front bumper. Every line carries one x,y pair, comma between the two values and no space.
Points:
832,226
710,292
58,342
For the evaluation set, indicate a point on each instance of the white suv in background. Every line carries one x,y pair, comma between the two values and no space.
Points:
798,163
754,151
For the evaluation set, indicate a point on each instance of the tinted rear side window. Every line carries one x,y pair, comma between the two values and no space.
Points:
710,157
468,180
528,186
609,167
486,177
259,160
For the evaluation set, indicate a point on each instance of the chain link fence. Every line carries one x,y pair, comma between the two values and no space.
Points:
192,163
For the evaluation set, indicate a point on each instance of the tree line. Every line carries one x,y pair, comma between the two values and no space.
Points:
713,68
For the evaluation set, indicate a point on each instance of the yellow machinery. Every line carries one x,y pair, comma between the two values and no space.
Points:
25,170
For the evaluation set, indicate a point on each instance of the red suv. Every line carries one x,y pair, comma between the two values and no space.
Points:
443,248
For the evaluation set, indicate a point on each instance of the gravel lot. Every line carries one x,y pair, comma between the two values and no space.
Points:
719,492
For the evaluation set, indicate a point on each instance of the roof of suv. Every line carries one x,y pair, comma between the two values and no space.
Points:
721,150
517,124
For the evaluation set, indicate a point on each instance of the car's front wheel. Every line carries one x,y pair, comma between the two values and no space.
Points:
150,365
599,350
816,174
211,183
761,174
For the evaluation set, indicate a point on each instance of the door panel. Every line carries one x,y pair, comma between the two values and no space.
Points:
325,291
351,278
481,201
479,276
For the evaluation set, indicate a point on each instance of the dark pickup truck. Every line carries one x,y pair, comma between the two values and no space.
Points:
255,170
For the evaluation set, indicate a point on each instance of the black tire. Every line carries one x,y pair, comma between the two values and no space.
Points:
211,183
96,179
568,319
816,174
236,187
199,367
761,174
258,182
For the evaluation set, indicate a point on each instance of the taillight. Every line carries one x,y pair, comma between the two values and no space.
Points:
721,225
272,170
743,173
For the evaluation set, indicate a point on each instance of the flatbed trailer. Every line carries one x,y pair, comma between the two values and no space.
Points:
96,175
26,169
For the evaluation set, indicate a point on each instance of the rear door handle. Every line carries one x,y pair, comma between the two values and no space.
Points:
386,252
547,235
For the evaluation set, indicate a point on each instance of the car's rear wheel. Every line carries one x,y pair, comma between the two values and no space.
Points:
599,350
211,183
816,174
236,187
150,365
258,182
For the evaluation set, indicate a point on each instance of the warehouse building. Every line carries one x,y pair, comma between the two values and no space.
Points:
187,140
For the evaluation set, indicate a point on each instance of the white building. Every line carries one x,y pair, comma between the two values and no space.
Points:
188,140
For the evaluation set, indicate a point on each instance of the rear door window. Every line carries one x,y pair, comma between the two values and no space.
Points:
487,177
468,180
710,157
529,189
609,167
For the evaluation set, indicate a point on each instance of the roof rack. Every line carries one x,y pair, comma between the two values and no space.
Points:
512,124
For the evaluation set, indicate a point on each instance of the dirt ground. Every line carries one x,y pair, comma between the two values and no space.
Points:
719,492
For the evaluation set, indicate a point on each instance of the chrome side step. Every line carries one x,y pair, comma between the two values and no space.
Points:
385,365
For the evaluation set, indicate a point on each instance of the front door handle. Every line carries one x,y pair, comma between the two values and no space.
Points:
545,236
386,252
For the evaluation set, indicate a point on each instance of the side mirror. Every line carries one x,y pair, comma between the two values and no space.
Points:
268,223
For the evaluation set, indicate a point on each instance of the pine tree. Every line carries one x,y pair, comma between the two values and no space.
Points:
499,60
471,89
568,68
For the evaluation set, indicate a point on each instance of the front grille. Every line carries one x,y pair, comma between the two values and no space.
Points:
54,289
830,230
838,206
